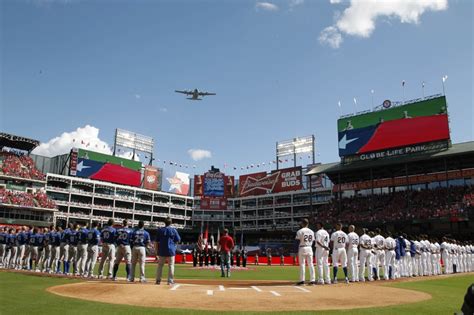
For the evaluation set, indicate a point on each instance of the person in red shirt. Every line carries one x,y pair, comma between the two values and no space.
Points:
226,244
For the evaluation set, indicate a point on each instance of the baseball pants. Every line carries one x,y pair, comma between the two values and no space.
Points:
161,262
92,253
365,262
323,265
352,263
138,255
305,255
81,259
123,252
389,264
20,255
339,255
72,257
55,252
379,261
2,254
108,252
34,256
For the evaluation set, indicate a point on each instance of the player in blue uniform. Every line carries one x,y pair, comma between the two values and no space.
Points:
21,241
108,236
82,250
40,249
3,245
11,248
45,252
93,239
140,241
124,251
73,240
64,251
55,240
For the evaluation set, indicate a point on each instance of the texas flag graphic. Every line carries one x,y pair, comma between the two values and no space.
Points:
179,183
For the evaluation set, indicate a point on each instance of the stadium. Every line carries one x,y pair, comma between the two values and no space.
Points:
399,174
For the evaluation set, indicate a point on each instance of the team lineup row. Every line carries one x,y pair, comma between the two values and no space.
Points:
379,255
43,249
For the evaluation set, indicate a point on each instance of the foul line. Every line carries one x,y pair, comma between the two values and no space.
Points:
210,292
275,293
175,287
302,289
256,289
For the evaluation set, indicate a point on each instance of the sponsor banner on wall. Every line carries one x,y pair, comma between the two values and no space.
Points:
176,182
198,188
213,184
228,183
229,186
213,203
152,178
404,180
283,180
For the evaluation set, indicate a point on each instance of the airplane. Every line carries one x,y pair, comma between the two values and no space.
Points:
194,94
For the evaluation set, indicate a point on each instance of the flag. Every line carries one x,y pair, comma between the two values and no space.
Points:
218,236
445,77
355,101
241,239
339,104
403,83
206,237
423,84
212,242
200,239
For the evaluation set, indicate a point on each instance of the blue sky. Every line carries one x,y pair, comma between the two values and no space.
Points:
66,64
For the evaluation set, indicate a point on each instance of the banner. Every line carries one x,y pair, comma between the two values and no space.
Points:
397,127
213,203
404,180
288,179
176,182
213,184
152,178
198,189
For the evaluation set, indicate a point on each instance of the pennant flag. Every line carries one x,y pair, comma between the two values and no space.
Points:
403,83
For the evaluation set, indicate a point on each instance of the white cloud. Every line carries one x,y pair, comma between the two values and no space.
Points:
334,1
138,96
163,109
360,17
331,36
266,6
127,155
85,138
199,154
295,3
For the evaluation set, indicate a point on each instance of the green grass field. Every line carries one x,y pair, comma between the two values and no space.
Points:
21,293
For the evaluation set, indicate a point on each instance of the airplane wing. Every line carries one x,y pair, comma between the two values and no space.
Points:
184,92
206,93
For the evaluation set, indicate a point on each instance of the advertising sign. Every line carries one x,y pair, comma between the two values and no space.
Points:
176,182
395,127
282,180
198,189
98,166
213,184
152,178
213,203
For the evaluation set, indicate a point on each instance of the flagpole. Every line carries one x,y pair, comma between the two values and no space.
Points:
372,92
423,89
403,91
339,105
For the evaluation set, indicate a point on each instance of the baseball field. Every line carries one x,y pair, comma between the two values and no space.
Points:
202,291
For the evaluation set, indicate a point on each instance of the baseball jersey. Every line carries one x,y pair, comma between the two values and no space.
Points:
379,241
365,241
353,239
11,240
108,235
32,239
21,237
82,235
73,237
3,238
167,237
55,238
390,243
123,236
39,240
65,236
46,239
305,236
93,237
339,239
140,238
322,237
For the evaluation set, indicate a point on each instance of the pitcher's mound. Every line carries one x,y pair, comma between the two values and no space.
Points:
241,297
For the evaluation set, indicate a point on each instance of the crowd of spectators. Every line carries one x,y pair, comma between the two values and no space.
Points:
25,199
19,166
398,206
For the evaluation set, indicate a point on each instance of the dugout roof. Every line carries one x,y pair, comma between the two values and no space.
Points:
17,142
458,156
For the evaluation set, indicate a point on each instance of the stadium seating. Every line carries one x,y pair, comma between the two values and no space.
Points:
24,199
398,206
19,166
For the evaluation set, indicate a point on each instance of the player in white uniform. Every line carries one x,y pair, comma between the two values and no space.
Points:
339,242
365,242
445,255
417,263
407,258
379,251
389,246
322,253
305,238
353,253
